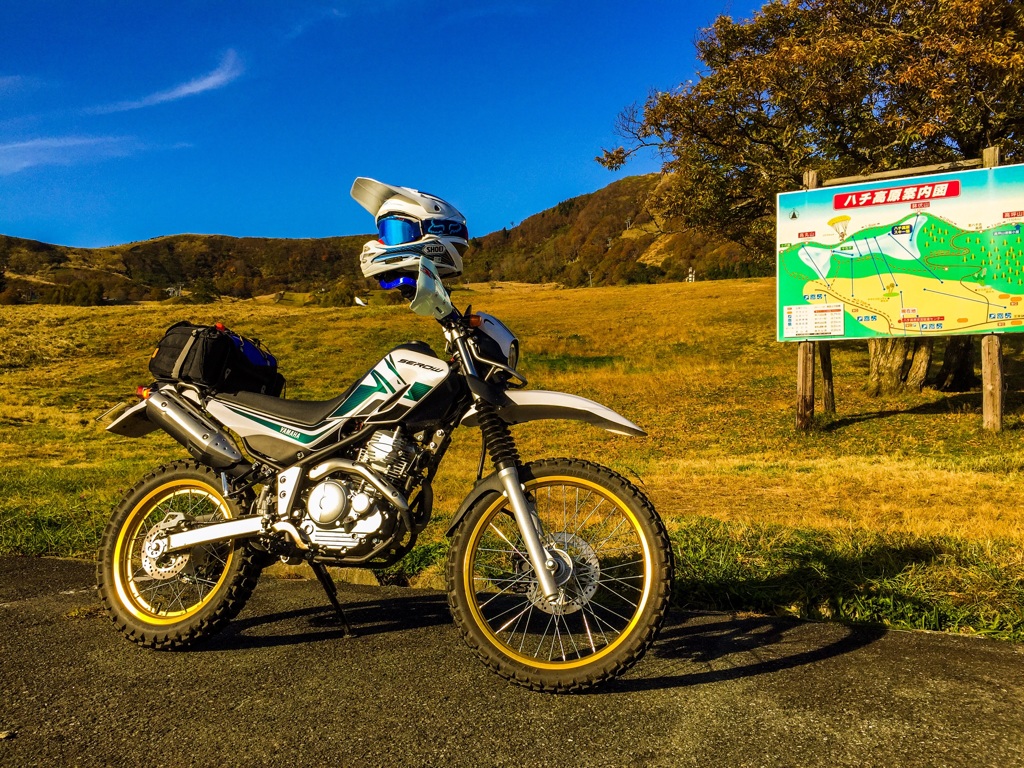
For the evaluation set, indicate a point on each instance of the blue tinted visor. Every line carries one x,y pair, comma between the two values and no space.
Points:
396,231
388,285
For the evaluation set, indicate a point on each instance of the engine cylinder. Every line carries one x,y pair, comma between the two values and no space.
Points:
388,453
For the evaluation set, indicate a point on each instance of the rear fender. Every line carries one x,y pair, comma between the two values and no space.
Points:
133,422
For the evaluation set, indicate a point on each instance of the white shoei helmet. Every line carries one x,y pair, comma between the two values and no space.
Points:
410,224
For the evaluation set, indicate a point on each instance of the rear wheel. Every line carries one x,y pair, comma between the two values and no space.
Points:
613,569
169,600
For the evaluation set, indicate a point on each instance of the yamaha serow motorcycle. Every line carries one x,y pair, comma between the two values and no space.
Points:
559,570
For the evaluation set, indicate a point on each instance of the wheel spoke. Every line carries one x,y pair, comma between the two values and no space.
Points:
605,569
587,518
601,621
622,581
505,539
500,593
541,641
597,546
497,616
590,635
515,618
604,607
528,616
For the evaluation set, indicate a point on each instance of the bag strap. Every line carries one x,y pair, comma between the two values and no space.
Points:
176,370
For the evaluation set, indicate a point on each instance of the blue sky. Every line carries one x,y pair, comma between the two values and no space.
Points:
122,121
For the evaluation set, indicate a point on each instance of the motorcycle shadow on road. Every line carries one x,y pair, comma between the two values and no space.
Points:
697,648
418,610
693,648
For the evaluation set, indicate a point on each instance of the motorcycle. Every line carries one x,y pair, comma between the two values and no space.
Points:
559,570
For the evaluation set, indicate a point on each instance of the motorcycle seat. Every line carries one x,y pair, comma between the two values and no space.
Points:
306,413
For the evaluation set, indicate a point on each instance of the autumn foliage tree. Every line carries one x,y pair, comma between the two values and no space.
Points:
840,87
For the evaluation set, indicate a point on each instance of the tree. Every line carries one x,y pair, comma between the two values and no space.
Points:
840,87
8,294
339,294
203,291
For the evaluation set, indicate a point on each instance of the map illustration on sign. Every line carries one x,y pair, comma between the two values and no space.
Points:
933,255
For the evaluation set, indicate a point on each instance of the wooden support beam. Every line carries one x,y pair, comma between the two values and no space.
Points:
992,382
899,173
828,390
804,385
991,350
811,181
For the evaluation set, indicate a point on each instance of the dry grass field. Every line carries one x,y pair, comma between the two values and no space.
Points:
902,511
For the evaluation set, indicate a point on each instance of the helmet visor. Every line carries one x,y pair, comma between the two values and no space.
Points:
394,230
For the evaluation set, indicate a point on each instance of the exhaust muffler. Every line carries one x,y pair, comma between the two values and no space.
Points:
183,421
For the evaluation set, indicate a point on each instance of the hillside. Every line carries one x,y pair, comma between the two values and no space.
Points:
233,266
608,237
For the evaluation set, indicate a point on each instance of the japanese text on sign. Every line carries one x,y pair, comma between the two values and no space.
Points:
813,320
896,195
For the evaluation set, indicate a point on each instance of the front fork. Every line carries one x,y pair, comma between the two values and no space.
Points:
530,529
501,446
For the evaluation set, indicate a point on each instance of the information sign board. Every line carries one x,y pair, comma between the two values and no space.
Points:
932,255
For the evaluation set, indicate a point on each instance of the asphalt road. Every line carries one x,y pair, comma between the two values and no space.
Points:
282,687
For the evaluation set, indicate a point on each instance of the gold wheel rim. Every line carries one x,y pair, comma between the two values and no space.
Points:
479,608
141,595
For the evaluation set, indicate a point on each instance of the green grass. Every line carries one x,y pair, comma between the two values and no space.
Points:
900,511
569,362
936,583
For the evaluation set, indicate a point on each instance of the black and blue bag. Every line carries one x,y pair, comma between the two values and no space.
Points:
214,357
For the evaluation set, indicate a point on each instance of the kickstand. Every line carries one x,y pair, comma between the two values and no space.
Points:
332,594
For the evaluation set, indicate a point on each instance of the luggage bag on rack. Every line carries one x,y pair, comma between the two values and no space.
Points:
213,356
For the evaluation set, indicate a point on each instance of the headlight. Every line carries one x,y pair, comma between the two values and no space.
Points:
513,355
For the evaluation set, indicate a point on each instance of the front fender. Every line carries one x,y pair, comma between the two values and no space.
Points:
489,487
534,405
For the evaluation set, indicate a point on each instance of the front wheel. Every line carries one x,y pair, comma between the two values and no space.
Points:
613,569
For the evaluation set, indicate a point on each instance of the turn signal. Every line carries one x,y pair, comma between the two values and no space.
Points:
475,321
143,392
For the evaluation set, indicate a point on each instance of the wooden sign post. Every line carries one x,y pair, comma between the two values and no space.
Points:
804,384
991,351
805,362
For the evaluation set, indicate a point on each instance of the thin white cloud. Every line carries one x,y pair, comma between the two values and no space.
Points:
324,14
229,70
63,150
11,84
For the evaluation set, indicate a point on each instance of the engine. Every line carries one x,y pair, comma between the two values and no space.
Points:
344,512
